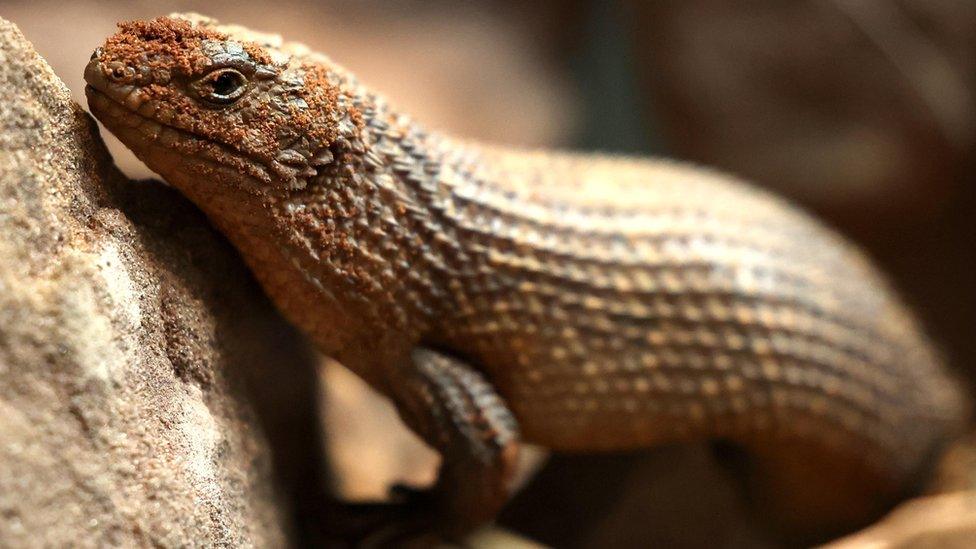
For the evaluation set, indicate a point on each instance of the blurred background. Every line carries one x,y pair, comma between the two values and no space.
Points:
862,111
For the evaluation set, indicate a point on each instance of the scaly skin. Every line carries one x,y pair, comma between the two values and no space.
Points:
583,303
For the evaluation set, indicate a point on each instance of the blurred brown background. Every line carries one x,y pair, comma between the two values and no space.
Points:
864,111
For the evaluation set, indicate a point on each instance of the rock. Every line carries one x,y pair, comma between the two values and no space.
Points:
130,335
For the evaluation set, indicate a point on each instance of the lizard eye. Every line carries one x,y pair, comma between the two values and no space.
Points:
221,87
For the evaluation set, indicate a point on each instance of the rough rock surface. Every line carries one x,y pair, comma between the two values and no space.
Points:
127,333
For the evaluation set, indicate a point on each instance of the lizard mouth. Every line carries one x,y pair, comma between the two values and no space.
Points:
119,109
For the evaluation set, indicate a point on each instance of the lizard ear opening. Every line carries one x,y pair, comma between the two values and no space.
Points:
221,87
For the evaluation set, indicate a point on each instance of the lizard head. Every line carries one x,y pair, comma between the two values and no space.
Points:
269,140
218,109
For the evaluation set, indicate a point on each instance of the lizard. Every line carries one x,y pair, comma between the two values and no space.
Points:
498,296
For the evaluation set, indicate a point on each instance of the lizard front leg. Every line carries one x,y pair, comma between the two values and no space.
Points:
457,412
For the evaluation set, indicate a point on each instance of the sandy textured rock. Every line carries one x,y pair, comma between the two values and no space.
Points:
127,331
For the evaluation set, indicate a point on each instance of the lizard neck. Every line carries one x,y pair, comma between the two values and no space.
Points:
370,227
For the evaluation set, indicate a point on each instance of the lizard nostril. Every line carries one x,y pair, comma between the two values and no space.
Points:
119,72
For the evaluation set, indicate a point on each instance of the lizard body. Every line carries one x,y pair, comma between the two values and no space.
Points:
580,302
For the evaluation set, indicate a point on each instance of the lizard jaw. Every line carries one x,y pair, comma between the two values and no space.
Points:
145,134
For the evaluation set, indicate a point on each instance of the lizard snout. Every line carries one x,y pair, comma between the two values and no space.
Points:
104,74
94,76
113,79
